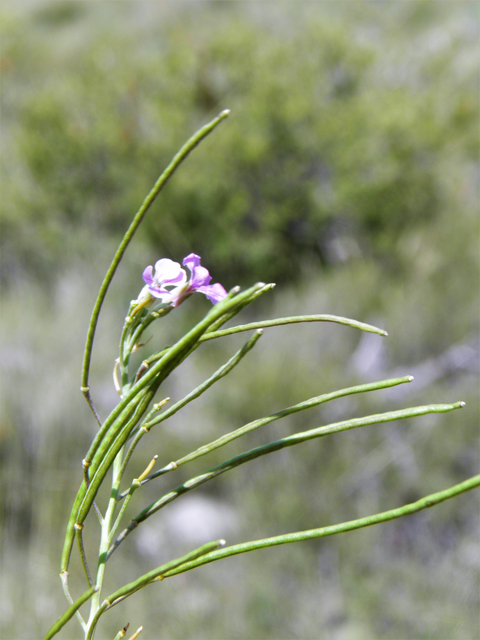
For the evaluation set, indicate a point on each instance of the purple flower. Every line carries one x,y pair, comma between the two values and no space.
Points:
171,284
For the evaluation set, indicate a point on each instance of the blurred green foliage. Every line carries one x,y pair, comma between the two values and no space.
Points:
341,142
348,173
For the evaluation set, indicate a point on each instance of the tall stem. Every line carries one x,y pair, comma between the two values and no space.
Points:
106,526
176,161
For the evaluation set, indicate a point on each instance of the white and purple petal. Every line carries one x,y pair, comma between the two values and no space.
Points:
199,276
191,261
169,272
148,275
158,292
214,292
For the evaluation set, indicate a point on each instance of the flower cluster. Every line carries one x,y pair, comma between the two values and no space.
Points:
171,284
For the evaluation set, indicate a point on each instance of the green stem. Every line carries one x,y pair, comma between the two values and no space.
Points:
424,503
212,335
176,161
302,406
146,322
118,433
229,315
69,613
159,572
289,441
66,591
105,540
148,578
218,375
176,354
148,424
126,415
110,458
138,436
134,486
83,556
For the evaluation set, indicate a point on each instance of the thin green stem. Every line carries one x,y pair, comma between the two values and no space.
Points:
146,322
128,589
138,436
124,354
152,576
302,406
229,315
176,354
93,624
134,486
148,424
125,416
218,375
81,550
147,363
69,613
174,164
289,441
66,591
148,385
105,538
424,503
212,335
110,458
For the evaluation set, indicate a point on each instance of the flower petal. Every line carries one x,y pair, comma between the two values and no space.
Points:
214,292
169,283
148,275
169,272
199,275
191,261
158,292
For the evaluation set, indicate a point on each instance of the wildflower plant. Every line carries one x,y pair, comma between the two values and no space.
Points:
141,410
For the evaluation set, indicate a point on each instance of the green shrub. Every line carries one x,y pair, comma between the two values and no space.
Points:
333,150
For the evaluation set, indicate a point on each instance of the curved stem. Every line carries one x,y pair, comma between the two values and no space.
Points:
289,441
152,576
355,324
220,373
69,613
159,572
424,503
301,406
176,161
172,358
96,607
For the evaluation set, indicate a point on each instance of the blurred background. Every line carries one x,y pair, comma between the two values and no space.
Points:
347,173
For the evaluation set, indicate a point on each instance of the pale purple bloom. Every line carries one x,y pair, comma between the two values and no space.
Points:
171,284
